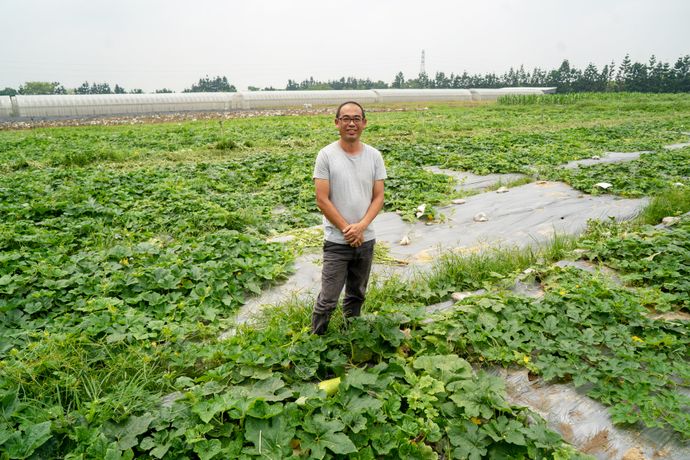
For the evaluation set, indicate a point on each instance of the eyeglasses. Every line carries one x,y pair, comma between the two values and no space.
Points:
345,119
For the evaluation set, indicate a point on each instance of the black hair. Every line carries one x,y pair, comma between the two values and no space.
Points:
337,112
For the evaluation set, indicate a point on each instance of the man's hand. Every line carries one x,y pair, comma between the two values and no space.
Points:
358,242
354,234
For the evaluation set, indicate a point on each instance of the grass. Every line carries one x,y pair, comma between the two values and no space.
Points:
672,202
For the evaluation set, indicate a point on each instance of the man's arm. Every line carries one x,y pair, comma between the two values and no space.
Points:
323,189
355,232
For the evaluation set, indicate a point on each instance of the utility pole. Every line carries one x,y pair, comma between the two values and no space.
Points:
422,70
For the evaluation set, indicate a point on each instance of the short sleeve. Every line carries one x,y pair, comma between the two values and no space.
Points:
321,169
380,170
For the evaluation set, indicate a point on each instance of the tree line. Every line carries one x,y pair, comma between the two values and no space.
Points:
206,84
652,77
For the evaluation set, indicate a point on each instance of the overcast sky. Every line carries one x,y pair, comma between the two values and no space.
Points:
152,44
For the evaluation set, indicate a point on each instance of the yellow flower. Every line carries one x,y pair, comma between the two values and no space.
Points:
562,292
526,359
637,339
124,261
475,420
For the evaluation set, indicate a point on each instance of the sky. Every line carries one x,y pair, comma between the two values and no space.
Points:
154,44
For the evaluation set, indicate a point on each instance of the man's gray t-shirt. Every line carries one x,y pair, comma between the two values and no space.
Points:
351,182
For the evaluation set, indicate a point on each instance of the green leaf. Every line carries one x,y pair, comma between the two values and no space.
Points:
8,404
359,378
126,434
321,434
264,410
22,444
207,448
444,367
355,404
206,410
271,437
468,440
336,442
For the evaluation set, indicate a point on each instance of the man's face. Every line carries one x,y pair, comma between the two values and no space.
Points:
350,123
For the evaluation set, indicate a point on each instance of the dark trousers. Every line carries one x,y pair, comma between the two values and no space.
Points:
346,266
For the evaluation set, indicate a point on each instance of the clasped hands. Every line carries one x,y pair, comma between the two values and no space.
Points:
354,234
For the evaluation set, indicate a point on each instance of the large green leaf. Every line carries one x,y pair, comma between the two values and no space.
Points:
22,444
270,437
444,367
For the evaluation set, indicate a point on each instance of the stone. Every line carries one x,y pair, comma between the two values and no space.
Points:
459,201
458,296
502,190
281,239
670,220
604,185
480,217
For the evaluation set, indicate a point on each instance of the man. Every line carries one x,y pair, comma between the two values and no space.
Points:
349,178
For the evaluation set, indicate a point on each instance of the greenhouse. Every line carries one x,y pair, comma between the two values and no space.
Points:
413,95
78,105
5,106
269,99
110,104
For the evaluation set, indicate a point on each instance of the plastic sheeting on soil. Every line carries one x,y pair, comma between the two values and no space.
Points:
586,423
677,146
528,214
468,181
582,421
608,157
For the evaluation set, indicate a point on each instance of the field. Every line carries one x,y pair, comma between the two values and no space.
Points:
126,250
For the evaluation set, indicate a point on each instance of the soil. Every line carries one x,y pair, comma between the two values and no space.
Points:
152,118
597,443
634,454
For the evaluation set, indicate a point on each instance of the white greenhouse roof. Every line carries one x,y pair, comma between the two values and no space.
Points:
120,99
402,95
5,106
335,95
117,104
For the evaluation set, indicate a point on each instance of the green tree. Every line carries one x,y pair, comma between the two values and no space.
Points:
623,74
681,75
84,88
399,81
208,85
41,87
590,80
164,90
100,88
8,91
637,78
119,89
